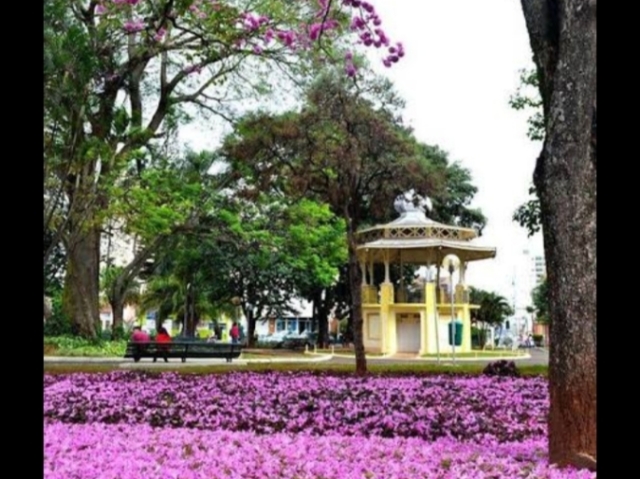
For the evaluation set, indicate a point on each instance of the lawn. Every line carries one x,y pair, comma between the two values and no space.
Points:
480,354
415,369
296,424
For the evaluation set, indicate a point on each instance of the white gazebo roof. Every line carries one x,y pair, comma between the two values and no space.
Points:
415,238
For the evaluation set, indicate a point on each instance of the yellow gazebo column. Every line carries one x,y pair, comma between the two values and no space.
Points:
372,290
462,298
428,324
388,345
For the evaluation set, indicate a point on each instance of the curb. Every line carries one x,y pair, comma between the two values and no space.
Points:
442,359
204,362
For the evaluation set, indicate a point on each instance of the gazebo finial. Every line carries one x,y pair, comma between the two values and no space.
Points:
411,201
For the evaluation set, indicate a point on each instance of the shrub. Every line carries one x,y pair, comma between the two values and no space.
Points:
75,346
538,339
59,323
501,368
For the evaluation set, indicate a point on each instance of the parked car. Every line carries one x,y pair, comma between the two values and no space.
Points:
274,340
299,341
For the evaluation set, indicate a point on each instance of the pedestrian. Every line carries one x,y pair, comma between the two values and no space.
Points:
234,333
163,348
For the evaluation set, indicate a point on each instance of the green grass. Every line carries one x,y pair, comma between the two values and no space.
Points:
344,352
267,355
478,354
380,369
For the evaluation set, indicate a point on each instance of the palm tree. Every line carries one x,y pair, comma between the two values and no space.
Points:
130,295
494,309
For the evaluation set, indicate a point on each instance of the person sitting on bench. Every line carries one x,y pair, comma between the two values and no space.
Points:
163,337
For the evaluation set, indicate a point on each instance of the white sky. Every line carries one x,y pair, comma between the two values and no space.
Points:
461,64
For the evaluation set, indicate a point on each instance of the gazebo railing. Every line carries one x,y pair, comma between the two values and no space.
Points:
409,295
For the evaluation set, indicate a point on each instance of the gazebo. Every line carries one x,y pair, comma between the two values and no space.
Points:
401,318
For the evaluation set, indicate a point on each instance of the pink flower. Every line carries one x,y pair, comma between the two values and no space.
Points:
159,34
133,26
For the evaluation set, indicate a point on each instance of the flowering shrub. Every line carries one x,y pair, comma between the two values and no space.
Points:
502,368
323,18
99,451
465,408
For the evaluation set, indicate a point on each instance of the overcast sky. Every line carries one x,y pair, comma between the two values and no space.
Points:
460,68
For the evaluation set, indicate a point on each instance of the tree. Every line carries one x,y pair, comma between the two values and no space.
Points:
118,294
152,206
540,299
528,98
122,76
346,147
494,309
563,39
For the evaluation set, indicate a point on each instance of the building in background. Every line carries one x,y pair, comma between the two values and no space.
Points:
538,269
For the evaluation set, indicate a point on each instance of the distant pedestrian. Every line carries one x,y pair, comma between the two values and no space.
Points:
234,333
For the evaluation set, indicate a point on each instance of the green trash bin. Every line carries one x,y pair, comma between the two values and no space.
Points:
458,330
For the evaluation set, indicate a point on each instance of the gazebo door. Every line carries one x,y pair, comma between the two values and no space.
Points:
408,329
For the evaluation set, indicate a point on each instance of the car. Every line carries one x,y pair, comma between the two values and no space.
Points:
274,340
299,341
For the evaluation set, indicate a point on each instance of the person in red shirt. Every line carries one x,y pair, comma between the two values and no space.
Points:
234,333
142,339
163,337
139,336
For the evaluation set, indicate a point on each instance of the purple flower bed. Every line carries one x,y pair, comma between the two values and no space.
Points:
480,409
101,451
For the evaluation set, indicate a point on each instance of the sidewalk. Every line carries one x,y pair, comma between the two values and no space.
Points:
311,358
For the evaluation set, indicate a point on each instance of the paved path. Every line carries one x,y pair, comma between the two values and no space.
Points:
537,356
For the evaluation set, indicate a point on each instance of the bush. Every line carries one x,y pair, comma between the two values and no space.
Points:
75,346
502,368
538,339
59,324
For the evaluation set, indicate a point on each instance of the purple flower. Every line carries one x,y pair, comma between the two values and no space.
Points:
133,26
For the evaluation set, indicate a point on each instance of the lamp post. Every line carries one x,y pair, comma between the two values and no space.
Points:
435,308
451,262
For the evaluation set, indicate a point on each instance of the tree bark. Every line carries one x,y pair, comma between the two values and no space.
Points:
117,312
251,328
355,281
563,39
81,288
321,316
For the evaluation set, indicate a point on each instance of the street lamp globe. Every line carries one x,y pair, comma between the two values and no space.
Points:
451,263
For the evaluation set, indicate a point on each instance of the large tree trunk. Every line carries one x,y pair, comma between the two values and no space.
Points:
321,316
81,287
251,327
117,312
355,282
563,39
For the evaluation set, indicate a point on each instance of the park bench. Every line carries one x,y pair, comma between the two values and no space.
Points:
183,350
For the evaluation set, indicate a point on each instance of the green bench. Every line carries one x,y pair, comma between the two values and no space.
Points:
182,350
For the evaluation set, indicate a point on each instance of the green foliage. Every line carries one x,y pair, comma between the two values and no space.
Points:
528,215
59,323
528,97
494,308
540,298
74,346
538,339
